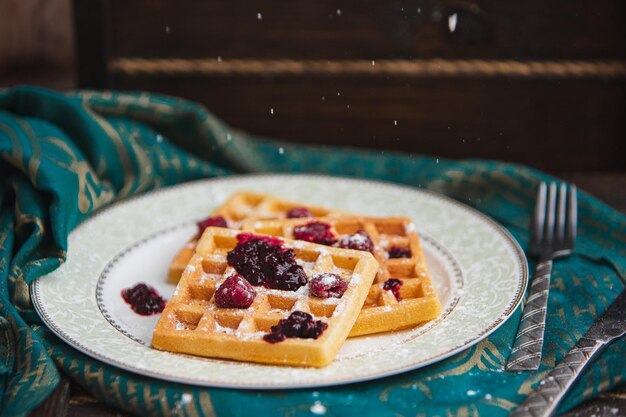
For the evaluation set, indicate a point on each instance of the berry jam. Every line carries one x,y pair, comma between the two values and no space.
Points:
393,285
298,212
359,241
235,292
327,285
316,232
299,324
262,260
215,221
144,300
398,252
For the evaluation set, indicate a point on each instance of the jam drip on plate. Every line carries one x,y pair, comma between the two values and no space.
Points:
144,299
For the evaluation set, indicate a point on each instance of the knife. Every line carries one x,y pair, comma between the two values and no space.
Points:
544,401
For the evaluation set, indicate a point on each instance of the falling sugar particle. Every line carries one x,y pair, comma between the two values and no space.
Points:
323,98
318,408
259,16
229,137
159,138
437,160
347,106
271,111
373,62
167,29
488,397
338,93
395,123
419,10
471,393
281,151
338,12
452,19
219,58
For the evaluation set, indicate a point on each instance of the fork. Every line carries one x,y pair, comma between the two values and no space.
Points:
553,232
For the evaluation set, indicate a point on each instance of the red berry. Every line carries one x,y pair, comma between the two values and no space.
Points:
262,260
298,324
316,232
215,221
144,299
393,285
399,252
298,212
327,285
359,241
235,292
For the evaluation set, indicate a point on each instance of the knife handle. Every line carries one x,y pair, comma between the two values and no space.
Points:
526,352
544,401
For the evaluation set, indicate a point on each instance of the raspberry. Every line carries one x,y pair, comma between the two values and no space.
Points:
144,299
326,285
398,252
393,285
298,212
235,292
316,232
215,221
359,241
299,324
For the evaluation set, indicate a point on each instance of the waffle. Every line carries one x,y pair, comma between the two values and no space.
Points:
192,322
381,312
238,208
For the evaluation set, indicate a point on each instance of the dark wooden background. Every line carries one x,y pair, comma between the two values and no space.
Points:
560,122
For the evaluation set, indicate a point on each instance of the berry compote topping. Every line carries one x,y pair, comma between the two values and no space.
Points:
215,221
393,285
247,237
359,241
144,300
298,212
316,232
298,324
325,285
262,260
399,252
235,292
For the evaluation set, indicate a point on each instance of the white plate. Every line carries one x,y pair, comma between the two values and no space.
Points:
478,269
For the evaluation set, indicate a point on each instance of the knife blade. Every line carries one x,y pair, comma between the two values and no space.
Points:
544,401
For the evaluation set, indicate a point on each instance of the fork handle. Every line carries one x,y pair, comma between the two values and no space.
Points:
544,401
526,352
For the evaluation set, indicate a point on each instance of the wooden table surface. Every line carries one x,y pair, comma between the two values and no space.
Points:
72,401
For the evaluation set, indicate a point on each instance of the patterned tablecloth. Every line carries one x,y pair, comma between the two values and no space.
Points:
64,156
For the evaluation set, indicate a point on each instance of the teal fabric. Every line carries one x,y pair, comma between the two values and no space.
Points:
65,155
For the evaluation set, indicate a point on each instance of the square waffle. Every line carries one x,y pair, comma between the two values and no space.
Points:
381,311
238,208
193,323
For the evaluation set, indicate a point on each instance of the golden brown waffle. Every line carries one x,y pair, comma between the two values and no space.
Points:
382,311
238,208
192,322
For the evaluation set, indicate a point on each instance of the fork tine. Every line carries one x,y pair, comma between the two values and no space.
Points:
539,217
548,237
560,216
572,216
